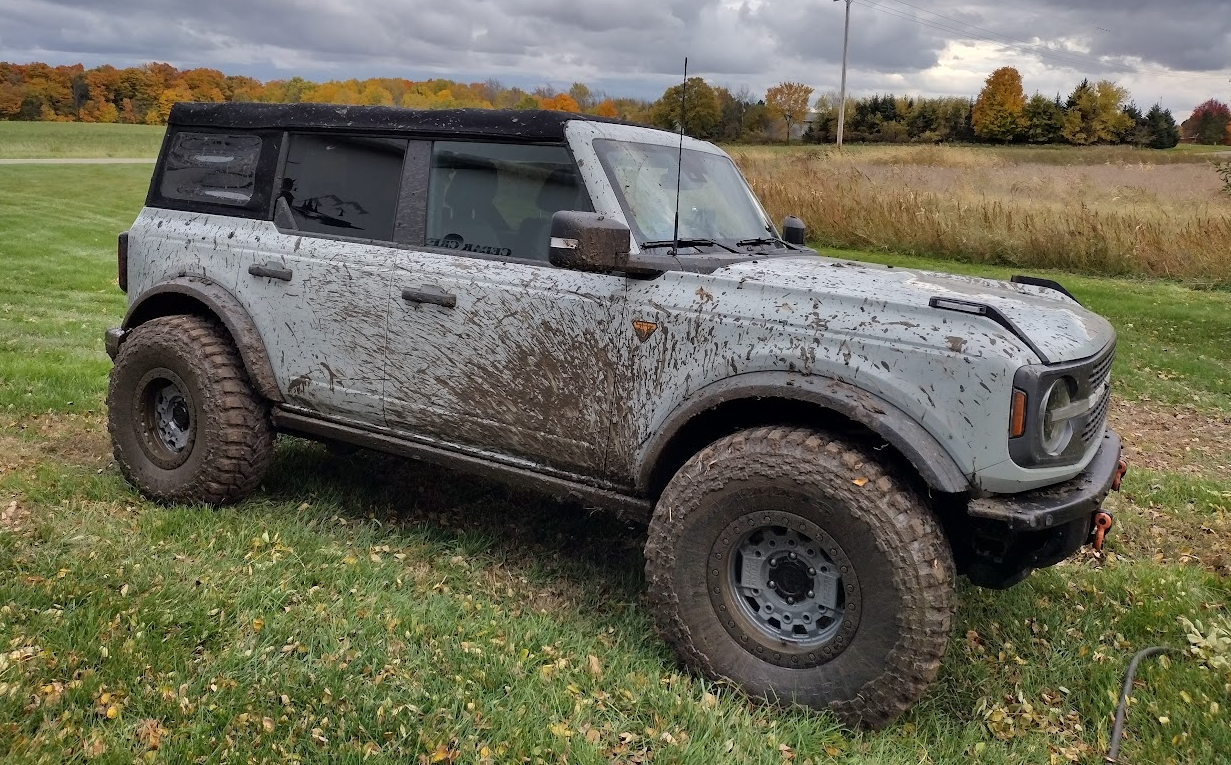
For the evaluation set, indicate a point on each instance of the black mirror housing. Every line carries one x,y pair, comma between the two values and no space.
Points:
585,241
793,230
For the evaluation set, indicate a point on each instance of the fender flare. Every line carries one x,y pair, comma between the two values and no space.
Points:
221,303
895,426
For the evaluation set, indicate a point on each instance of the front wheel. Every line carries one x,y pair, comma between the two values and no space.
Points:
185,423
794,564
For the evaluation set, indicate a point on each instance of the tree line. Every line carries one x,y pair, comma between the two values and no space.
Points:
1098,113
144,94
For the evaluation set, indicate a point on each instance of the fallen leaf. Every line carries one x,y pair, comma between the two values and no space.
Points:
592,663
860,481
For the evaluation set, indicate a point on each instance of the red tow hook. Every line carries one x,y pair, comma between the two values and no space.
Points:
1102,524
1121,471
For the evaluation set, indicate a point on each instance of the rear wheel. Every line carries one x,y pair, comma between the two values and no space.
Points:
185,423
795,565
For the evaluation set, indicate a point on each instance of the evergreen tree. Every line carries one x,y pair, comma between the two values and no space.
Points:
1044,120
1165,133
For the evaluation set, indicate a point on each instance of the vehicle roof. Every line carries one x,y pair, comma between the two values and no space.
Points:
533,124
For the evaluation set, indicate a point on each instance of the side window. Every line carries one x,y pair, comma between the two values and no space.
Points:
343,185
498,199
213,168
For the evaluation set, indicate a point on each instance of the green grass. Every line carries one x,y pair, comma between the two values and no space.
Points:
33,140
58,228
370,609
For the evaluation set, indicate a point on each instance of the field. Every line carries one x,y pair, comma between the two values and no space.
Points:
1111,210
25,140
366,609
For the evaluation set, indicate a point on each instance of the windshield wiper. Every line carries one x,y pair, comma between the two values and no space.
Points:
689,243
761,240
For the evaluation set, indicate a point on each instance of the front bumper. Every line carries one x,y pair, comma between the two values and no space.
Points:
112,340
1062,503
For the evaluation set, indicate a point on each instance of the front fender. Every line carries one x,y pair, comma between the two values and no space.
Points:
906,435
179,296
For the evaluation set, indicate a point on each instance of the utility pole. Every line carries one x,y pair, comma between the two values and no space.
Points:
846,42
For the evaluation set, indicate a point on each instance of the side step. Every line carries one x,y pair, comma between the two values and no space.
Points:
624,506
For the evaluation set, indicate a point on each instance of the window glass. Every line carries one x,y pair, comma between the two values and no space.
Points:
344,185
714,201
497,199
211,167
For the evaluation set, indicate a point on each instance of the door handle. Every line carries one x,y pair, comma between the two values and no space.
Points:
271,271
433,295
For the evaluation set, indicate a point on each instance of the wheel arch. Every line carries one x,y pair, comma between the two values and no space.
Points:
204,297
771,398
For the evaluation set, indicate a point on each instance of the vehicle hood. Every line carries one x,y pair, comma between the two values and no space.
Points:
1057,326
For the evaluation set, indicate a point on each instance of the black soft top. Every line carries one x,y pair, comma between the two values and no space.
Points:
532,125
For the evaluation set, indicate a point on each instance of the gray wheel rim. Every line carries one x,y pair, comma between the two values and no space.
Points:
172,418
754,614
164,418
787,587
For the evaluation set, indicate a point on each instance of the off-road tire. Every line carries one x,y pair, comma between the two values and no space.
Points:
232,439
901,580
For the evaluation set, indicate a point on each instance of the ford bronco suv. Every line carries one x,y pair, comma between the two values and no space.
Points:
605,312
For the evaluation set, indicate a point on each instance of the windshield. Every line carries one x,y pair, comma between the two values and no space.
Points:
715,202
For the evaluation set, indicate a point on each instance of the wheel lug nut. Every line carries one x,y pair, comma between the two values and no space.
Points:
791,555
771,584
790,601
773,562
811,571
811,594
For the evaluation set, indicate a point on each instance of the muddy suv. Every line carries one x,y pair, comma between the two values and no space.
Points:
820,447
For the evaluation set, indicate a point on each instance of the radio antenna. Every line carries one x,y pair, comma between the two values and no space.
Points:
675,237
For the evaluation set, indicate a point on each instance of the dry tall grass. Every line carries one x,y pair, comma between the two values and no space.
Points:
1163,220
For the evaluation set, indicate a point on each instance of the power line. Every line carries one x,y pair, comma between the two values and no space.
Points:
1074,60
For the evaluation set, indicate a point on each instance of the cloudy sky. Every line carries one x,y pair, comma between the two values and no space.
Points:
1174,51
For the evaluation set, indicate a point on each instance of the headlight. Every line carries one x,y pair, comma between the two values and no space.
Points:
1056,430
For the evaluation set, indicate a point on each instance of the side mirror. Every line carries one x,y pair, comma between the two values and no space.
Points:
793,230
586,241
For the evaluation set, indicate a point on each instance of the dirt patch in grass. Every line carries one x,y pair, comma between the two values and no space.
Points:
1185,441
72,439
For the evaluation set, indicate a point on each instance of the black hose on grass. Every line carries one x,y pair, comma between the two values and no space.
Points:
1117,730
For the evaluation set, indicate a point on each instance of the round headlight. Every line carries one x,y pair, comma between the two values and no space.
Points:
1056,433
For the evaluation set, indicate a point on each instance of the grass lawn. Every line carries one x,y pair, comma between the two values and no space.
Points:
28,140
367,609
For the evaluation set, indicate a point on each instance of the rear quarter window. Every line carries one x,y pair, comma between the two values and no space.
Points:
227,173
212,168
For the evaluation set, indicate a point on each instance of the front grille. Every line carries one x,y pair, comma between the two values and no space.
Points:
1097,419
1102,369
1100,376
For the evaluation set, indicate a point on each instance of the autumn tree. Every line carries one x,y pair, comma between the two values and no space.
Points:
698,107
581,95
998,112
606,108
1208,123
1095,114
790,101
560,102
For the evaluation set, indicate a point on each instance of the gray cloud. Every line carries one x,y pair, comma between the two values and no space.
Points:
1177,52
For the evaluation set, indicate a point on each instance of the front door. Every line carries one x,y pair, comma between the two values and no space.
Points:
490,347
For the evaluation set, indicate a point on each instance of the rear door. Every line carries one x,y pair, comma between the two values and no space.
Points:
315,280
